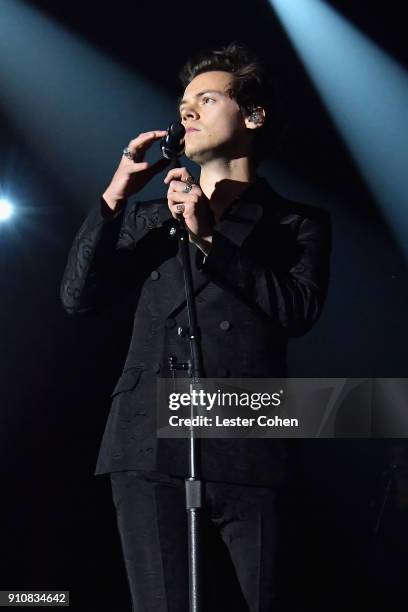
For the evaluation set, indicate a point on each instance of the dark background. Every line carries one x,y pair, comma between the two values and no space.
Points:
58,523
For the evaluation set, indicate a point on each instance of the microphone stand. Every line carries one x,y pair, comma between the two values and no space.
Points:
193,484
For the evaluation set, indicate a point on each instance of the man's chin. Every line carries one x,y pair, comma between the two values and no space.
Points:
199,156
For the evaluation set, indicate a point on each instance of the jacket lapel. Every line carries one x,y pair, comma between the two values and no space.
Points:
236,224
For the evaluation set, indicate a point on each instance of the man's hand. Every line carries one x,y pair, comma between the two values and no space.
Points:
132,175
194,206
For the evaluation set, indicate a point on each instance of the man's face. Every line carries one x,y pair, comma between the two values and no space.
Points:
214,123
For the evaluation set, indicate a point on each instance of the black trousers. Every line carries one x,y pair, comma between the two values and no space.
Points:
240,543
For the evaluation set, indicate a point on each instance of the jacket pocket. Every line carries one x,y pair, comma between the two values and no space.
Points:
128,399
128,381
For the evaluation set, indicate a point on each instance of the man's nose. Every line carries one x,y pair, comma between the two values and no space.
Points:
190,113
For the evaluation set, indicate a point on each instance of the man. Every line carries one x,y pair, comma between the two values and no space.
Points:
260,271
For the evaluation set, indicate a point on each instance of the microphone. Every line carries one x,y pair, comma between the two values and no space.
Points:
172,145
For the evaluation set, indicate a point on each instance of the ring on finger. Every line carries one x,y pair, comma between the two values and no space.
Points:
128,153
190,181
180,208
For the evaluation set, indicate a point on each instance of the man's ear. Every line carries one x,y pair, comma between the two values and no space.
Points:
255,118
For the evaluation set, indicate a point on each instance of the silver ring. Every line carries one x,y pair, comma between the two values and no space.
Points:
127,153
190,181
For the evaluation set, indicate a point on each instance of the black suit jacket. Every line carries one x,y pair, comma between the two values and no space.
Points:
264,280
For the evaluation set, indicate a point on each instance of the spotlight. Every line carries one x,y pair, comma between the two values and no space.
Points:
6,210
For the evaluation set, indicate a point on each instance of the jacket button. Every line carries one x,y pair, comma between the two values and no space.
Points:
154,275
182,331
170,323
156,367
225,325
222,372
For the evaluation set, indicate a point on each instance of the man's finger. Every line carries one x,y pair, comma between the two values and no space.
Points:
180,196
178,209
138,145
181,186
177,173
146,137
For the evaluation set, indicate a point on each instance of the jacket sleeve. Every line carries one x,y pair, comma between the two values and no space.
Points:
98,271
292,294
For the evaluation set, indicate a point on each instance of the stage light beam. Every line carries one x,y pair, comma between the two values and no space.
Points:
366,94
76,107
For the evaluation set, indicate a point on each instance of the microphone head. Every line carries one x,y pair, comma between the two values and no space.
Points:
172,145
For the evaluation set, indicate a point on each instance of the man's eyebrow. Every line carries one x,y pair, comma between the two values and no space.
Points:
201,93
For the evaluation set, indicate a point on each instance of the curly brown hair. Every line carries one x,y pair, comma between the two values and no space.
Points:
251,87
